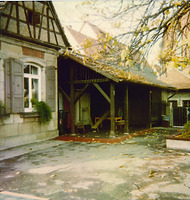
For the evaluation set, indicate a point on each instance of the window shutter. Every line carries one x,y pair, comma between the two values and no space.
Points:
50,87
7,63
14,89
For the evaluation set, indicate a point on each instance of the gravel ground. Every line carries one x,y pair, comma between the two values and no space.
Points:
138,168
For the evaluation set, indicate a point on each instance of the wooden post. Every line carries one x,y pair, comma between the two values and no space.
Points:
17,16
126,109
72,104
33,20
112,108
150,108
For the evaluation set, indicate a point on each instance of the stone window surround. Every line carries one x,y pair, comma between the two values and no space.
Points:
41,65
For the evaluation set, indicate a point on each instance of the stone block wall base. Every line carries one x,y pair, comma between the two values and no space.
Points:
13,141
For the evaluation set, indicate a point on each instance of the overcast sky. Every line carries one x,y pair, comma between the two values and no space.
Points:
68,13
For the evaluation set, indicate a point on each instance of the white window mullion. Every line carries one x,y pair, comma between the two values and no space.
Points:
30,92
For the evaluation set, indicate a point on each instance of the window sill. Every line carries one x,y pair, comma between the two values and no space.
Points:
29,115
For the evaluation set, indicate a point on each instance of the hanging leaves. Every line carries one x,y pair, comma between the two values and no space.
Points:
145,28
66,53
125,54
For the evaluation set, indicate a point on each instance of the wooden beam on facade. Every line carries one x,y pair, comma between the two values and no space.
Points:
40,28
81,93
112,108
126,109
48,33
54,31
34,24
43,43
55,17
102,92
26,19
8,19
17,16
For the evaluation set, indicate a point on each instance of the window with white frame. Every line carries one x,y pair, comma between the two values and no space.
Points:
32,87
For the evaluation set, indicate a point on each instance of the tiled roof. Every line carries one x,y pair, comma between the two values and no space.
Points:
97,31
79,37
177,79
122,74
115,72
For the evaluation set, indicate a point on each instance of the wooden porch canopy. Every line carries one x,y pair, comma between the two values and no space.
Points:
91,76
95,73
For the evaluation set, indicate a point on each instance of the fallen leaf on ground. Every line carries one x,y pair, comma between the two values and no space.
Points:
139,196
131,142
124,154
151,173
163,176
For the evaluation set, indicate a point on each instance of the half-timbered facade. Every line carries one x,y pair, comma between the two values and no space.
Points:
31,36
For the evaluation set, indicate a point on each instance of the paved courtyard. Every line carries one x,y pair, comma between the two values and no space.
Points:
134,169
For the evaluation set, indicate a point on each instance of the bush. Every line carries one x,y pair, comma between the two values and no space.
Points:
43,110
186,134
187,126
2,111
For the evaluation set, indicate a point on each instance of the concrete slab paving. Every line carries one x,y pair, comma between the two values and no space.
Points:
137,168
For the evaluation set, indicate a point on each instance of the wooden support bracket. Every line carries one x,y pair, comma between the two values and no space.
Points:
81,93
102,92
65,94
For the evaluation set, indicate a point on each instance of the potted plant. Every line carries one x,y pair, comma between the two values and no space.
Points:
2,111
180,141
43,110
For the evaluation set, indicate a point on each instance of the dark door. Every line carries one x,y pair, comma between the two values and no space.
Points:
179,116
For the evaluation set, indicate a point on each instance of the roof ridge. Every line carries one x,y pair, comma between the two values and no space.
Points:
185,74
